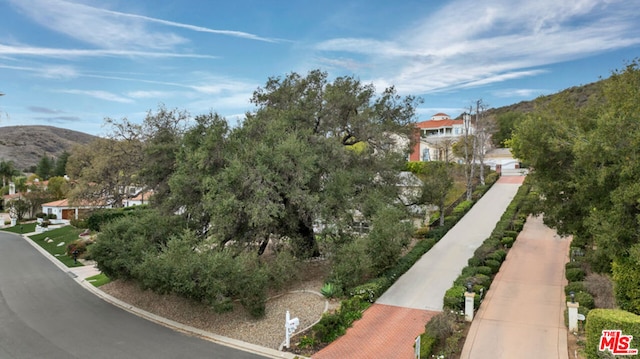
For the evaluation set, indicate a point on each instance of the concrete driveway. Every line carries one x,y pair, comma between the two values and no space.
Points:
45,314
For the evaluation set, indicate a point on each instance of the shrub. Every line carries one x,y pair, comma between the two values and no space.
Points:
80,245
507,241
53,216
583,298
122,244
328,290
454,298
441,326
574,274
40,215
513,234
351,265
474,261
427,344
575,287
493,264
421,232
498,255
369,291
609,319
388,237
570,265
484,250
485,270
626,276
517,225
333,325
462,208
600,286
79,223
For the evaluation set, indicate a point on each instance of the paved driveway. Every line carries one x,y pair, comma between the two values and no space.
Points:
45,314
523,313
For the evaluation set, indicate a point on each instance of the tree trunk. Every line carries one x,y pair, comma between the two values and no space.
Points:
307,246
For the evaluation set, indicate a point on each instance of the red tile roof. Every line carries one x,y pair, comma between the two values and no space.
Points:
438,123
65,203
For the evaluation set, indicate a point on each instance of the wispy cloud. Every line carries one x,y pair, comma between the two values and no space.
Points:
74,53
46,110
99,94
466,44
111,29
149,94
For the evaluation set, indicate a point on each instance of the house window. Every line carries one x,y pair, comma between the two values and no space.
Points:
425,155
49,211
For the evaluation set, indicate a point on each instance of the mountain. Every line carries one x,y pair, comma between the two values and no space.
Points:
25,145
579,94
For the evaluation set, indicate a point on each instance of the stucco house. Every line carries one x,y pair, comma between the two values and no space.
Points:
65,210
435,137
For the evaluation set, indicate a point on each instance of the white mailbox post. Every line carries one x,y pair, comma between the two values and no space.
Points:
290,326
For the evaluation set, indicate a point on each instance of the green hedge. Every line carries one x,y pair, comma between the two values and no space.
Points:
583,298
333,325
488,257
575,287
427,343
574,274
610,319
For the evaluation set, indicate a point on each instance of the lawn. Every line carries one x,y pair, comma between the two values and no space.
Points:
64,235
98,280
22,228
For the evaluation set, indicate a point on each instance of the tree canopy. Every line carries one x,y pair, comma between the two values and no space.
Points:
586,166
314,158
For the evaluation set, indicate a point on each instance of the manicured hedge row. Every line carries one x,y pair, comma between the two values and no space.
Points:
610,319
488,258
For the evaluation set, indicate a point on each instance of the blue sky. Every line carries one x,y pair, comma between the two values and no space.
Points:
73,63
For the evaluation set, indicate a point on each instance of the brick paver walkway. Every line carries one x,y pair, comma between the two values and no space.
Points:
523,314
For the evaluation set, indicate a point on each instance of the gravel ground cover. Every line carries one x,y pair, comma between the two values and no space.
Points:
302,300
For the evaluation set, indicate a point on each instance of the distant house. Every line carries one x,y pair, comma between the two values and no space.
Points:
64,210
434,138
501,160
140,199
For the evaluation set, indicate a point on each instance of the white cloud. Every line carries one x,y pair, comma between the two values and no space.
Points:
149,94
99,94
112,29
525,93
468,44
71,53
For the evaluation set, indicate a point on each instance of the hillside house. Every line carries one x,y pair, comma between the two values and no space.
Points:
434,138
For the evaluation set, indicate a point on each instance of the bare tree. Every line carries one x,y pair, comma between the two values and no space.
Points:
484,128
469,150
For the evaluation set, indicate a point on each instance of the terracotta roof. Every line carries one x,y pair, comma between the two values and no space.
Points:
438,123
65,203
142,196
12,196
440,114
60,203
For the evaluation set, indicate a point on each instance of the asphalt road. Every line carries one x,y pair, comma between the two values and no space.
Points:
44,313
